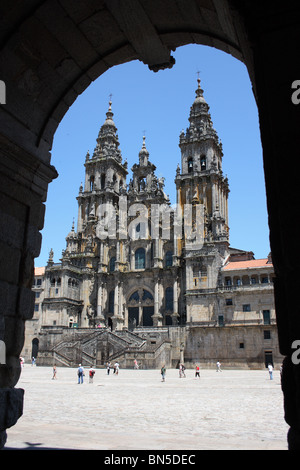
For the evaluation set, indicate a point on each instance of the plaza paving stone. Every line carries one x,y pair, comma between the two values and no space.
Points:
134,410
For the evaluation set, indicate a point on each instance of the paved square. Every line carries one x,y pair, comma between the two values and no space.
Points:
232,409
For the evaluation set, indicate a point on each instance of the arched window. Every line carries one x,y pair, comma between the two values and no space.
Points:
147,295
102,181
111,301
190,165
112,264
134,296
203,163
140,258
115,183
169,298
169,259
140,231
92,180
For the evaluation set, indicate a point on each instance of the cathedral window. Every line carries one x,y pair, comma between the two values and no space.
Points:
72,282
134,296
196,271
169,259
92,180
169,298
102,181
115,183
267,334
112,264
111,301
140,258
190,165
267,317
203,163
147,295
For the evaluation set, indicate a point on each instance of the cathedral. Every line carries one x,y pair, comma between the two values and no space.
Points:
143,279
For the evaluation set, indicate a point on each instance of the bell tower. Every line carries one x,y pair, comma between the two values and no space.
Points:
201,179
200,184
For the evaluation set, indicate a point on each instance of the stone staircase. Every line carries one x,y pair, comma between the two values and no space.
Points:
98,346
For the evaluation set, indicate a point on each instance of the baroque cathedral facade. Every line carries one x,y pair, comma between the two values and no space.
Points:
140,278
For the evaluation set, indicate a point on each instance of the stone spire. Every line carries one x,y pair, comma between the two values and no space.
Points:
108,141
201,126
143,154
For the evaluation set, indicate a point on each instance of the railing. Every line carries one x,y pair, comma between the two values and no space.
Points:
214,324
211,290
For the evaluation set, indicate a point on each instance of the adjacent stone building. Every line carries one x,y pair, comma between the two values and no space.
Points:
140,278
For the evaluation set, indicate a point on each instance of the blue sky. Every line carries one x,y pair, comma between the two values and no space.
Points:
159,105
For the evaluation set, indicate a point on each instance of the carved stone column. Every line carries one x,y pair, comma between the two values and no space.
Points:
157,316
175,302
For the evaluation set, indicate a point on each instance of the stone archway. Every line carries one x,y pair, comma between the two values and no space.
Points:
35,348
51,51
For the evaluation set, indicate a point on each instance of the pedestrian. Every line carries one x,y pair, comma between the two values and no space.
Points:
136,366
163,373
197,372
182,370
54,372
91,374
218,367
270,368
108,368
80,373
116,368
33,361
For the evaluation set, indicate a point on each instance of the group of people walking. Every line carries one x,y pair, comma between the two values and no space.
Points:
116,367
81,373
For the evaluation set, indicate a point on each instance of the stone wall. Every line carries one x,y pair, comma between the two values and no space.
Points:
235,347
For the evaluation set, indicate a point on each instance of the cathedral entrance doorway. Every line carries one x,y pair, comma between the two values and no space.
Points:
133,317
140,309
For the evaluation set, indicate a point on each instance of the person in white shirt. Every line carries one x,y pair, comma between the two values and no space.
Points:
270,368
